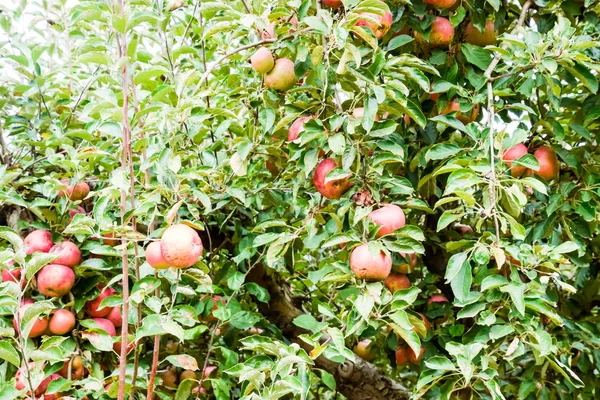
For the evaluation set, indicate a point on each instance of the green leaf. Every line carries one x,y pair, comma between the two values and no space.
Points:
517,295
450,121
37,262
493,282
471,310
477,56
461,283
440,363
398,41
9,354
94,57
364,305
244,319
447,218
183,361
441,151
259,292
308,322
455,264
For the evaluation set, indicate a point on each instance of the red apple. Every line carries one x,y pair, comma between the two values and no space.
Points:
389,217
401,356
62,322
442,33
77,369
39,240
117,347
282,77
454,106
181,246
548,161
115,316
485,38
332,3
441,4
262,60
55,280
91,306
188,374
437,298
332,189
378,29
359,112
39,327
368,266
396,282
425,322
154,256
73,213
297,127
13,275
75,192
364,351
413,358
106,326
21,380
514,153
68,254
407,268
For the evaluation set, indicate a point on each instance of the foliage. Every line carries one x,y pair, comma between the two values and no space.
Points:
516,257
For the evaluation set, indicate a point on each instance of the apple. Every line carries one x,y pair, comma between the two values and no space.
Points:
414,358
478,38
282,77
378,29
407,268
21,380
334,189
91,306
389,217
62,322
117,347
297,127
115,316
53,396
181,246
442,33
368,266
77,369
169,378
548,161
441,4
425,322
38,240
68,254
454,106
73,213
154,256
514,153
332,3
262,60
188,374
435,299
112,240
401,356
78,191
13,275
359,112
39,327
396,282
55,280
364,351
106,326
269,31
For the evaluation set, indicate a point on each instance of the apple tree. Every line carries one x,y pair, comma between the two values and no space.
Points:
315,199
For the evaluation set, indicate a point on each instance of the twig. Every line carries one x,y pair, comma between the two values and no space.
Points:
4,154
187,27
248,10
85,88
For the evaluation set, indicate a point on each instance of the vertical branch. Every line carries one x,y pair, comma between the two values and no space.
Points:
125,159
212,135
4,154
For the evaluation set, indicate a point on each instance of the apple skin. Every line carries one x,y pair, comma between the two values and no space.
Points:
332,3
13,275
359,112
390,217
514,153
40,326
154,256
106,326
414,358
20,380
548,161
332,189
474,36
188,374
181,246
441,4
407,268
117,346
401,356
91,306
262,60
169,378
62,322
442,33
73,213
297,128
282,76
380,29
55,280
68,254
38,240
369,267
454,106
395,282
113,241
363,350
79,191
115,316
425,322
77,369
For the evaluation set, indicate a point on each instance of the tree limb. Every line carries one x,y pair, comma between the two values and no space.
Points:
358,380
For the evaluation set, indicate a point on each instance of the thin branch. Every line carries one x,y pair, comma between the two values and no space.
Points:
212,134
187,27
4,154
248,10
85,88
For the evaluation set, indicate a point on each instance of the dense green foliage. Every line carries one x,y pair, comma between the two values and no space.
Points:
517,257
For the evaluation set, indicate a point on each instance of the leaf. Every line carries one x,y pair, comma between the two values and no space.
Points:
471,310
566,247
477,56
308,322
12,237
398,41
447,218
440,363
493,282
94,57
183,361
517,294
364,305
37,262
441,151
461,283
244,319
9,354
450,121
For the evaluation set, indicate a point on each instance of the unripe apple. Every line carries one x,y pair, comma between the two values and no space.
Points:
389,217
474,36
396,282
77,369
414,358
548,162
441,4
297,127
282,77
115,316
368,266
364,351
62,322
55,280
68,254
262,60
401,356
79,191
514,153
332,3
154,256
181,246
407,268
379,29
39,240
442,33
106,326
332,189
454,106
39,327
91,306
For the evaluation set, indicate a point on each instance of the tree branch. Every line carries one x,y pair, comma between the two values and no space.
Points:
358,380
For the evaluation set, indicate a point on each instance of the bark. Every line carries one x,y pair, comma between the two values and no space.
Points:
359,380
